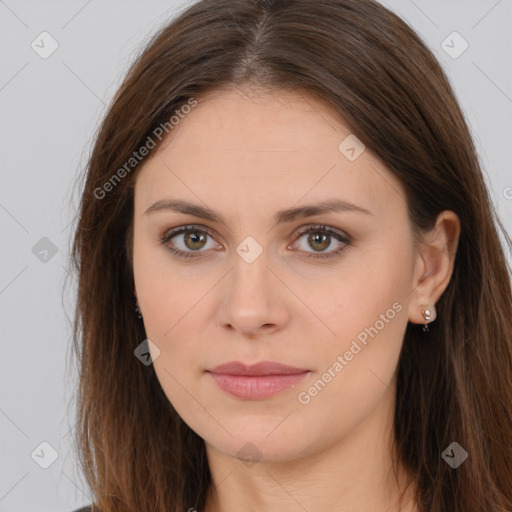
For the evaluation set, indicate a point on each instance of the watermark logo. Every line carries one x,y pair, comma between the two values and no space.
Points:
147,352
44,455
454,455
249,454
249,250
351,147
44,250
454,45
44,45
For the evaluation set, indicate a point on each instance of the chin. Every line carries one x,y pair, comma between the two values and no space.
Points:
260,443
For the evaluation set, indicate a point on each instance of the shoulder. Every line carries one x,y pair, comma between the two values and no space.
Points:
84,509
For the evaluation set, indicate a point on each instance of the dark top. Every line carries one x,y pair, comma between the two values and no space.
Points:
84,509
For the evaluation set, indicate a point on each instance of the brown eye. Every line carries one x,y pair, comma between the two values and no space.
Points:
321,238
187,240
194,240
319,242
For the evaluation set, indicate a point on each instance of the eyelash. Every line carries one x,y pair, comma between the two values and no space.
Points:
310,229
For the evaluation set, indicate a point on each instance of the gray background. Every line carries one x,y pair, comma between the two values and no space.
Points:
50,109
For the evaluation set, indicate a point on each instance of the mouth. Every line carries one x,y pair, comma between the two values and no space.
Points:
257,381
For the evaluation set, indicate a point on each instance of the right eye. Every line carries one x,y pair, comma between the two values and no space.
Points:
190,239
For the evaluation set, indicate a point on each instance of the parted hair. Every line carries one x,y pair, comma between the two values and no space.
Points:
375,72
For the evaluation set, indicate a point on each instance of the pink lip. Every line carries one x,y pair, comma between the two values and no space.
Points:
256,381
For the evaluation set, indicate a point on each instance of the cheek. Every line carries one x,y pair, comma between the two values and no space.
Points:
169,305
166,292
366,309
172,321
358,370
378,277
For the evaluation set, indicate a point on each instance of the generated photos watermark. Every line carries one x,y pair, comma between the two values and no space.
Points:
305,397
143,151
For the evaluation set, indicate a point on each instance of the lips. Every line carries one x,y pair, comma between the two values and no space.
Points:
262,368
257,381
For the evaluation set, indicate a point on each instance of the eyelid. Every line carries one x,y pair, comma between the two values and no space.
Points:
297,232
321,227
185,227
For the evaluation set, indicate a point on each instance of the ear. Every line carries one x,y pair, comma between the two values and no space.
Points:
434,264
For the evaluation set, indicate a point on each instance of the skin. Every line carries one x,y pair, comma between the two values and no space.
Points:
246,155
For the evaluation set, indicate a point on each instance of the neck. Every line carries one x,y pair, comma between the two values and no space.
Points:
354,473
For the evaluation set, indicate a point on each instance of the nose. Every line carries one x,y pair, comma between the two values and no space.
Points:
253,298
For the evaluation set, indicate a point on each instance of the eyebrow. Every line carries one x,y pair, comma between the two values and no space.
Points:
280,217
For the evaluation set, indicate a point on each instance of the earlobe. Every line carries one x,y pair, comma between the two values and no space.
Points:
435,262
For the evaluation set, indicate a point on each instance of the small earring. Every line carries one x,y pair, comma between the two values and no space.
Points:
429,314
137,310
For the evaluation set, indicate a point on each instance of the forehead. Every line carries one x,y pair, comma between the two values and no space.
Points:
256,120
275,148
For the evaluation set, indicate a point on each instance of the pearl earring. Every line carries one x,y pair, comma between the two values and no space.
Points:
429,314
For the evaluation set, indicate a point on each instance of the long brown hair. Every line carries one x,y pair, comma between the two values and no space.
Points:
454,385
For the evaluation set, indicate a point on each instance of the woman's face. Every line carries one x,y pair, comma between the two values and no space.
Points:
251,286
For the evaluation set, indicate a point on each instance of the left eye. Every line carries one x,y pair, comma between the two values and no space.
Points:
322,237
